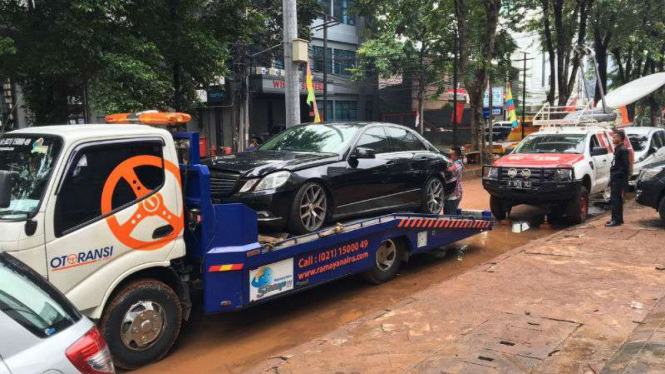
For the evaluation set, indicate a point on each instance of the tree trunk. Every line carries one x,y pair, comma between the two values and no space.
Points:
550,51
477,83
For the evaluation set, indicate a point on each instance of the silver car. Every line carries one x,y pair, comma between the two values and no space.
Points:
41,331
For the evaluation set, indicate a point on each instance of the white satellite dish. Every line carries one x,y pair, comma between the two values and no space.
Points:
635,90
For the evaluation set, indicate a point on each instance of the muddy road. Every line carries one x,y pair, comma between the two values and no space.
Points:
232,343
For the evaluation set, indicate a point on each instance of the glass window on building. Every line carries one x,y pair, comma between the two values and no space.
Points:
326,6
342,11
317,57
344,60
346,110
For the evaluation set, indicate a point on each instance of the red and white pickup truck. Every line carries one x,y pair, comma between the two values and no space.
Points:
557,168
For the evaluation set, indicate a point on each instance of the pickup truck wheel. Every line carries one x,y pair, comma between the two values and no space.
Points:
309,209
661,209
141,323
496,206
578,208
387,261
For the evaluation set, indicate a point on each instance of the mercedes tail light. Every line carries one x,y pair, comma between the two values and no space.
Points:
90,355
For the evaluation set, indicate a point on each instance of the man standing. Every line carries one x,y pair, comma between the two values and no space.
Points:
618,178
452,203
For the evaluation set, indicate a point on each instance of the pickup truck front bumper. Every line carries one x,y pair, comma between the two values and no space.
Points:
541,189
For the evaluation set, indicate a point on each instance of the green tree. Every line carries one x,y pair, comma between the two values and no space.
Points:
53,48
479,41
411,38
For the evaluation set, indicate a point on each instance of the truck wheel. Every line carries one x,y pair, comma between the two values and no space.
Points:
556,215
432,196
578,208
387,261
496,206
661,209
309,209
141,323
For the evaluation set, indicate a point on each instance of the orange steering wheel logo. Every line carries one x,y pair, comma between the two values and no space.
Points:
151,206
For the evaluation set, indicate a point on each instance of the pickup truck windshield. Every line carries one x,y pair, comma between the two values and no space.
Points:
30,160
552,143
312,138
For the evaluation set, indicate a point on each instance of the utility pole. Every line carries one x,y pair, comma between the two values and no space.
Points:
489,120
455,92
328,21
524,97
325,67
292,97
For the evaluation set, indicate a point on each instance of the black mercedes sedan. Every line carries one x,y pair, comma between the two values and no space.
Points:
650,188
312,173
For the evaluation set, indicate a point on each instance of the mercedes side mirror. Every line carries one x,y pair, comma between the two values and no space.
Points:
362,152
599,151
5,188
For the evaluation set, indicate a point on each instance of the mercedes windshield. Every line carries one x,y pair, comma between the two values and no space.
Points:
312,139
30,160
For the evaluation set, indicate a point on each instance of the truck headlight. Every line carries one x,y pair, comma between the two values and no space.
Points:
273,180
491,173
563,175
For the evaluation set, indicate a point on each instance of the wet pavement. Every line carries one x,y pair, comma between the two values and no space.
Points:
585,300
235,342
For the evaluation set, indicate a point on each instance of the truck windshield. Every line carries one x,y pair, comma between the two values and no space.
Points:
552,143
30,160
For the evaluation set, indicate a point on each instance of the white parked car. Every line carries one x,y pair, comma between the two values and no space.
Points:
41,331
649,146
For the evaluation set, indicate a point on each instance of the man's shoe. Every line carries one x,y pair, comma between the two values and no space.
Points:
613,224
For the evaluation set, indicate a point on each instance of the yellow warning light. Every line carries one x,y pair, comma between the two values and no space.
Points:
150,118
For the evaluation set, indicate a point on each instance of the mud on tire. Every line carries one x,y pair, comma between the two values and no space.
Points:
134,302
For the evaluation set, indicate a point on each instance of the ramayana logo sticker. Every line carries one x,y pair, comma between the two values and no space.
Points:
81,258
271,279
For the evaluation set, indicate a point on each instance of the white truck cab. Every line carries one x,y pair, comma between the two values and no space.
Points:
102,200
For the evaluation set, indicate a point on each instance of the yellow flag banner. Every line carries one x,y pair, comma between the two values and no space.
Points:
311,98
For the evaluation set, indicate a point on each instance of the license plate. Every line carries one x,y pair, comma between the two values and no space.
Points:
519,184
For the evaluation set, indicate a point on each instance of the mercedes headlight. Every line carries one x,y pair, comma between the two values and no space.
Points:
563,175
648,173
273,180
248,185
491,173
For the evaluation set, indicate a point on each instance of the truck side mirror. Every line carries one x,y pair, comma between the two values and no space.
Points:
5,188
599,151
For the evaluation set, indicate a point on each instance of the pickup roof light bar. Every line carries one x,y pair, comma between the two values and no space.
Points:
150,118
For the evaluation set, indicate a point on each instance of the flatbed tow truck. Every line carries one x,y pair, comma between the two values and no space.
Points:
129,259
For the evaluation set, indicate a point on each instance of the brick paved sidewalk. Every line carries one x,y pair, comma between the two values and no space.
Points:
567,303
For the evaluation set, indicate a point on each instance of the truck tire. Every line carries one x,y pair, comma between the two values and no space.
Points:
661,209
141,323
496,206
556,214
432,196
303,220
387,260
578,208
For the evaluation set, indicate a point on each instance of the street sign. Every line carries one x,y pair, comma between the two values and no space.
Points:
497,97
495,112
